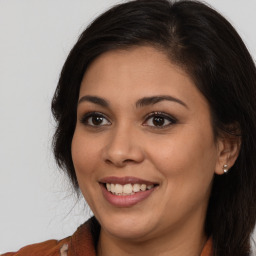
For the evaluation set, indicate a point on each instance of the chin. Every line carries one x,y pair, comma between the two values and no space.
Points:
127,227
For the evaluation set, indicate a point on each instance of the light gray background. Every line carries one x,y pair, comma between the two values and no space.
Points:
36,202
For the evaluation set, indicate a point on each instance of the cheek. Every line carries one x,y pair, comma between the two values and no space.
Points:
85,161
187,161
83,156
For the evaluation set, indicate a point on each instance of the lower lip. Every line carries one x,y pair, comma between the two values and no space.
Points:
125,201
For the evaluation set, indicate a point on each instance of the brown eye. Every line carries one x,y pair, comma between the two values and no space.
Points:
95,119
159,120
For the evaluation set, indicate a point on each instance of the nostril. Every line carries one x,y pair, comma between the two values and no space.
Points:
119,162
108,161
128,161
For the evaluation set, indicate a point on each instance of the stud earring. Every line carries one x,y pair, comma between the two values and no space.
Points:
225,168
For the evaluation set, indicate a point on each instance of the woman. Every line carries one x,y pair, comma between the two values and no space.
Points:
156,126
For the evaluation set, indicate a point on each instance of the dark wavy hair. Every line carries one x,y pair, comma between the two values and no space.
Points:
207,47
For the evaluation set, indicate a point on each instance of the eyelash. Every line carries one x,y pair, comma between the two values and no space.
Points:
162,115
86,119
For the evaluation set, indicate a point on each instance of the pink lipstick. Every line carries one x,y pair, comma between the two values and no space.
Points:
126,191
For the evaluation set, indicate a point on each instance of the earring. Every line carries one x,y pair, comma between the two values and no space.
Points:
225,168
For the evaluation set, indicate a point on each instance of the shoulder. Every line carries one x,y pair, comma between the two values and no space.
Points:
47,248
82,242
208,248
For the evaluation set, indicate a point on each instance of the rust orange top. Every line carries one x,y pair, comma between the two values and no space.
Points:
79,244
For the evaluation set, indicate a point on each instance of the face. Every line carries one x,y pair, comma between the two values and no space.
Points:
143,148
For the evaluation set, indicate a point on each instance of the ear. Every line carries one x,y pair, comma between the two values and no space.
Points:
228,150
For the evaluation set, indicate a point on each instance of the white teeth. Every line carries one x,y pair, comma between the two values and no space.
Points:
136,187
143,187
108,187
118,189
127,189
112,188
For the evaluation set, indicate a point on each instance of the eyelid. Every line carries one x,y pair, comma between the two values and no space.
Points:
160,114
170,118
86,116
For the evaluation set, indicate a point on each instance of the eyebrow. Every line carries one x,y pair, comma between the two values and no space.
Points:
155,99
94,99
146,101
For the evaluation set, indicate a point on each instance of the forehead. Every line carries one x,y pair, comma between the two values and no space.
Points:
137,72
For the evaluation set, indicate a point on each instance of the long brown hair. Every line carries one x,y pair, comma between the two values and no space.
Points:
205,44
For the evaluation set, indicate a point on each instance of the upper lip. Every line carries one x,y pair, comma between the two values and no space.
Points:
126,180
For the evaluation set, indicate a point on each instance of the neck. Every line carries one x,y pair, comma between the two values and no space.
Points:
175,244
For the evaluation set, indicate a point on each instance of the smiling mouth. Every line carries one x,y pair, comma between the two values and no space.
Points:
127,189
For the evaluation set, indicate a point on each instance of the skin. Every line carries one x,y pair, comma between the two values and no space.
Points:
181,156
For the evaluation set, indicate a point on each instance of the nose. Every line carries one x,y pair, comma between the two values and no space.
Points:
123,147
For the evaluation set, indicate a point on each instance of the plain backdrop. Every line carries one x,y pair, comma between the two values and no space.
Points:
36,202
